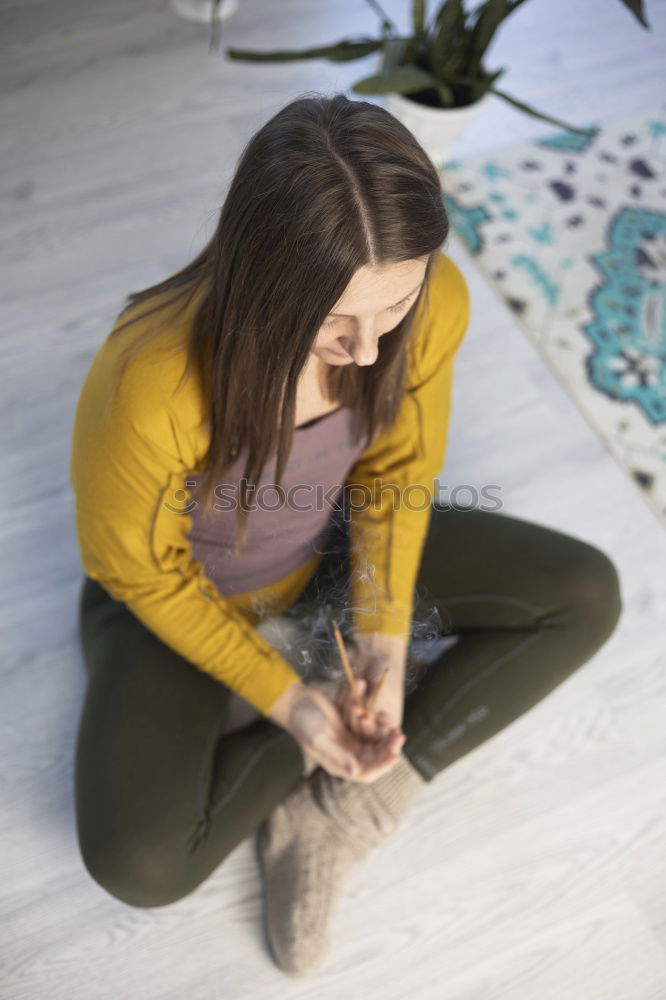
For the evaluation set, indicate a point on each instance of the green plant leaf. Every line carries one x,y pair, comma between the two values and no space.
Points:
446,94
491,77
490,16
482,78
343,51
394,53
477,85
418,18
388,27
537,114
401,80
636,8
449,41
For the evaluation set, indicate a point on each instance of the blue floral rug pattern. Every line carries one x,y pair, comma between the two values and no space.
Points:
571,230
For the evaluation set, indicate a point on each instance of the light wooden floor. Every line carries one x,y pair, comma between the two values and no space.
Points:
533,868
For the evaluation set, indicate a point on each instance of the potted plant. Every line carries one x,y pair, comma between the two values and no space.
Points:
433,78
204,10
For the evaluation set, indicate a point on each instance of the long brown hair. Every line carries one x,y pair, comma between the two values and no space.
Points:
325,187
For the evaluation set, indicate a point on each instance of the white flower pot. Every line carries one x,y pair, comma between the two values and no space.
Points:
436,129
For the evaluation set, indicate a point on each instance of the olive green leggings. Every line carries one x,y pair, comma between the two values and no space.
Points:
163,794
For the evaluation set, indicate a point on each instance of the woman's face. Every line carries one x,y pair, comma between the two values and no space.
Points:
373,303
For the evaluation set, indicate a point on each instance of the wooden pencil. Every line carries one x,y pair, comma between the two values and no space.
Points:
373,700
347,666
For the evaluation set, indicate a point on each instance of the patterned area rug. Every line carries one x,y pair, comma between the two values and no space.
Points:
571,230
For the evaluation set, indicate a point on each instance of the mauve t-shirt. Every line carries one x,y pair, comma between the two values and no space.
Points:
285,530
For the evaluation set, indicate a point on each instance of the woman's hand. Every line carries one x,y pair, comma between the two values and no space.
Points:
316,724
368,663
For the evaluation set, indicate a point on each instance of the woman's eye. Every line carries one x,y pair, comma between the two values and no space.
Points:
393,309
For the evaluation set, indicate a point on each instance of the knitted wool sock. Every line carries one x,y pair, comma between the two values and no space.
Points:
309,843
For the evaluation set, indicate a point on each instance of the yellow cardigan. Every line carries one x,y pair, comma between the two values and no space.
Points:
128,472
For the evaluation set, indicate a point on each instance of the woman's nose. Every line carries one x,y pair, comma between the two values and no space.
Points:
364,349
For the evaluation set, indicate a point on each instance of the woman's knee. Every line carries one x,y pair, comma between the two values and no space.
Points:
139,873
594,591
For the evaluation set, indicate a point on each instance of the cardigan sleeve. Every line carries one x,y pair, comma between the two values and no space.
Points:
390,488
128,476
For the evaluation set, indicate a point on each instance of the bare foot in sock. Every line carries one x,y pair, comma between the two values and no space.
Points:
307,846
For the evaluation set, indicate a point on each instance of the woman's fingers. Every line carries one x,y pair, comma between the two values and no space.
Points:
399,739
346,743
373,768
384,749
361,685
377,757
363,722
383,723
374,726
381,741
338,761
